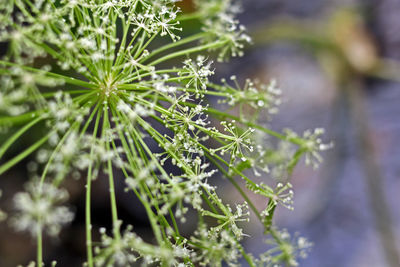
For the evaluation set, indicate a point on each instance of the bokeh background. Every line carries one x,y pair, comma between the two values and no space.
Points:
338,65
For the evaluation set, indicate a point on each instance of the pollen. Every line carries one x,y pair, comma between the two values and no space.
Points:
109,87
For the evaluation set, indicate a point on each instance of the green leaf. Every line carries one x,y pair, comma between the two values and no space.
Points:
243,165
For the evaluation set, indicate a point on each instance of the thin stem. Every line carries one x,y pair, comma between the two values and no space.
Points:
189,16
143,47
236,185
144,201
221,114
54,153
39,247
245,255
176,44
187,51
18,134
15,120
106,126
224,115
152,218
25,153
66,79
88,224
143,186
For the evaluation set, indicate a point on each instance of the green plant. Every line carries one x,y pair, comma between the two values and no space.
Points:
114,89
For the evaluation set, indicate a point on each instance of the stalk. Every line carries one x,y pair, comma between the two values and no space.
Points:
12,162
88,224
39,248
106,126
17,135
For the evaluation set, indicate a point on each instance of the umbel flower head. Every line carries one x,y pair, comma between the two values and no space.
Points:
123,75
39,209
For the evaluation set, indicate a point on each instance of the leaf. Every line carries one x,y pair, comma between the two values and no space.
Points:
243,165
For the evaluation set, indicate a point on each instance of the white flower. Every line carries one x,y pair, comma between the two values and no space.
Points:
238,142
39,209
286,250
312,145
220,22
197,73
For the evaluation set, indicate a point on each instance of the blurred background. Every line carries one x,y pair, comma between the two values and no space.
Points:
338,65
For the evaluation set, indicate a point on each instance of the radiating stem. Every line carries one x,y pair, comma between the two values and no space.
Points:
114,214
25,153
175,44
187,52
39,246
66,79
18,134
88,224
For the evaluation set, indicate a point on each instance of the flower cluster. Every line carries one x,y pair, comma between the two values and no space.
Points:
237,143
197,73
117,101
311,145
39,209
18,85
219,20
128,248
287,249
253,98
218,247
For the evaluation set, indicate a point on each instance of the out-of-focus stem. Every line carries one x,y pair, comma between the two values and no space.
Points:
373,178
39,247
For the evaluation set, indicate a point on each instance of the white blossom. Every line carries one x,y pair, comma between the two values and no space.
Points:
39,209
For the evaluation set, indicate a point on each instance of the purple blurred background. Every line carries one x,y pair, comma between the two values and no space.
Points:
349,207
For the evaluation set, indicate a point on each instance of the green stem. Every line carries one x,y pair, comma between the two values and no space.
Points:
143,47
88,224
15,136
224,115
66,79
246,256
15,120
175,44
189,16
25,153
143,186
106,126
152,217
236,185
39,247
54,153
187,51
